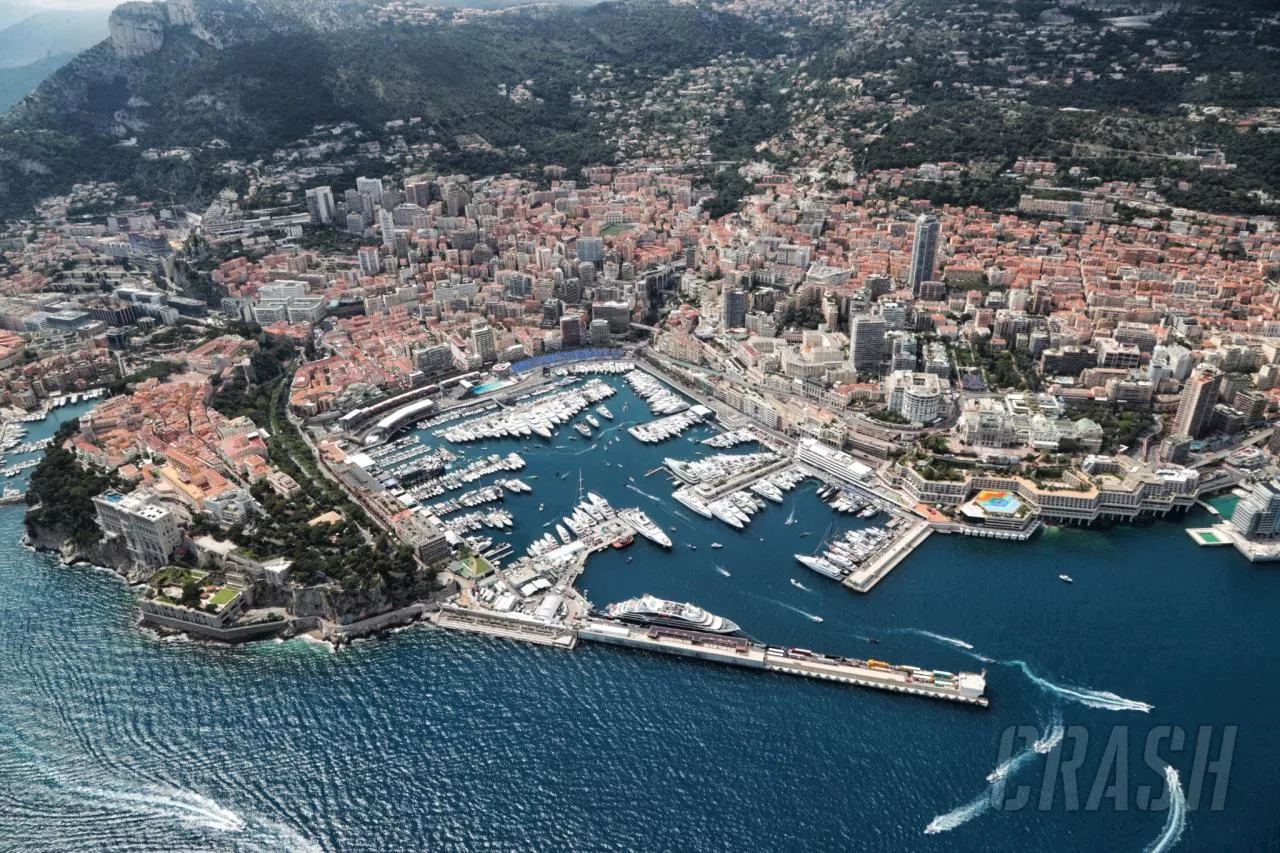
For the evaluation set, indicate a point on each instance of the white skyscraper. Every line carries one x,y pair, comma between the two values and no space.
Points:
866,342
924,252
484,342
370,262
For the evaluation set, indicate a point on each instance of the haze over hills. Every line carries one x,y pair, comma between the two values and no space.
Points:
885,83
17,82
52,32
37,45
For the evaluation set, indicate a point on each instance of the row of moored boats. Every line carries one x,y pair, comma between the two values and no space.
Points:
538,417
846,553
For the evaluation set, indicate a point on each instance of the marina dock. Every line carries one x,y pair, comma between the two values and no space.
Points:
864,578
533,598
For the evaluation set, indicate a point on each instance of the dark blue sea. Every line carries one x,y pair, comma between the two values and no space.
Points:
424,740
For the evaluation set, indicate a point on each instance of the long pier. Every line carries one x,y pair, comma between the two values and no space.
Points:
965,688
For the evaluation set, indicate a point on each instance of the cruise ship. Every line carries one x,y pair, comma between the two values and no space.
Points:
649,610
819,565
645,527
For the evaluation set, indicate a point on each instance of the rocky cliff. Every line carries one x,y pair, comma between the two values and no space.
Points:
137,28
108,554
140,28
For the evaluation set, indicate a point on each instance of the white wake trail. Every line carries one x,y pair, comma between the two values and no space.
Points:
996,779
942,638
184,806
1102,699
634,488
959,817
1176,822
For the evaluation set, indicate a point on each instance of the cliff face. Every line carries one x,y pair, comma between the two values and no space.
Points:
336,605
140,28
137,28
108,554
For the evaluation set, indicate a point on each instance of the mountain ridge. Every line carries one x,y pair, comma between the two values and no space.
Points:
254,76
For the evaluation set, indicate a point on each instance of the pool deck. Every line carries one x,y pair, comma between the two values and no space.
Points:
1208,537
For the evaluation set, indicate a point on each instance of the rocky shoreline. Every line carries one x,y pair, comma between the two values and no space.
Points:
326,615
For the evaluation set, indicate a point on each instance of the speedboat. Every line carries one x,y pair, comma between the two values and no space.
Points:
1065,578
716,545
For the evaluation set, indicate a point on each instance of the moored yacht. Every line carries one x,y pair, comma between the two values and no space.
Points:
819,565
650,610
693,503
645,526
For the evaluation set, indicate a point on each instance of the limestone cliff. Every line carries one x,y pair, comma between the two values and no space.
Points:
139,28
334,604
110,554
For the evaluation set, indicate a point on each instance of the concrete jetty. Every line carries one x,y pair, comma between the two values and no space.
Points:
967,688
475,621
864,578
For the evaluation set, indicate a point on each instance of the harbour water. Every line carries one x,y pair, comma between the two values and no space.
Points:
110,739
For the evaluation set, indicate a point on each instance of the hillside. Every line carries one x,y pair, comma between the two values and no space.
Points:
44,34
189,72
16,83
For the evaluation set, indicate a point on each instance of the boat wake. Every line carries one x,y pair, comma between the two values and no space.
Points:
641,491
996,779
1176,822
960,816
722,570
812,617
186,807
799,585
942,638
1101,699
791,517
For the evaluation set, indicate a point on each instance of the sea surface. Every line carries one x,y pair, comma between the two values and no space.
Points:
111,739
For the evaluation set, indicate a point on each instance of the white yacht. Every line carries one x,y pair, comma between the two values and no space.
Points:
650,610
645,526
819,565
693,503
